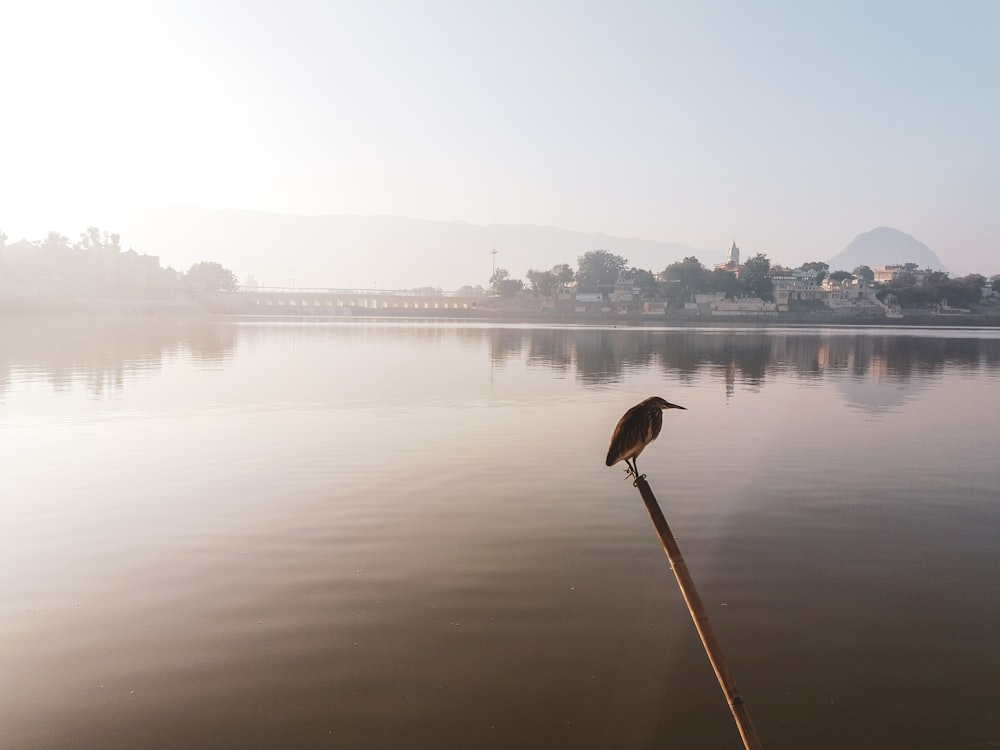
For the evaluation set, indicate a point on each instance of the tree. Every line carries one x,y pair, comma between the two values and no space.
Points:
976,280
54,242
755,279
815,265
563,273
963,292
904,287
645,280
821,269
864,272
511,288
684,279
725,281
973,284
912,292
598,268
498,277
543,282
95,239
504,286
840,275
210,277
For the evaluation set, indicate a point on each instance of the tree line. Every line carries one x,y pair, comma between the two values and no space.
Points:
913,289
96,264
599,270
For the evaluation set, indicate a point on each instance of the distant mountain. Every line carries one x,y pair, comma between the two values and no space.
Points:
361,251
885,246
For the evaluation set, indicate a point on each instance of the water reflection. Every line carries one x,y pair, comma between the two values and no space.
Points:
873,369
342,533
102,352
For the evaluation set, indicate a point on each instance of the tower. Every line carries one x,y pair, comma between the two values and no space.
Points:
734,255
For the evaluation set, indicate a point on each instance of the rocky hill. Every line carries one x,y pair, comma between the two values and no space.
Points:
885,246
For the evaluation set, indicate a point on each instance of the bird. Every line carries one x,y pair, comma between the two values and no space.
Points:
637,428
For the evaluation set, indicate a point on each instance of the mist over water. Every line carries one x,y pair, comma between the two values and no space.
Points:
361,533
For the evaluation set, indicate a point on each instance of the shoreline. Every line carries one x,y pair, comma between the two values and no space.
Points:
988,317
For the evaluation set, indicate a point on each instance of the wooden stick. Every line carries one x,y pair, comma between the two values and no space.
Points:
700,617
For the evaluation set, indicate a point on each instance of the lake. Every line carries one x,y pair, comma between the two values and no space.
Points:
372,534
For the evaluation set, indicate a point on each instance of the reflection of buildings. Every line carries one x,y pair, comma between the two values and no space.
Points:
103,353
742,357
730,380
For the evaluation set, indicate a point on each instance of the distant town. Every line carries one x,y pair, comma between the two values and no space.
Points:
96,274
755,288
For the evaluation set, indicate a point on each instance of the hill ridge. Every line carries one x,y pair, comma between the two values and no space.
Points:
885,246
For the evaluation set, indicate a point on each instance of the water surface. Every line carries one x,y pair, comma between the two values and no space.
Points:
361,534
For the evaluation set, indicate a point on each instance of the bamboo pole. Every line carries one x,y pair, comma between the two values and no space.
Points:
736,704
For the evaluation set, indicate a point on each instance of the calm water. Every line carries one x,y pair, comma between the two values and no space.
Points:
381,534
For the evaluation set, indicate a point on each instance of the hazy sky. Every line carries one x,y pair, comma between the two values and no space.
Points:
787,126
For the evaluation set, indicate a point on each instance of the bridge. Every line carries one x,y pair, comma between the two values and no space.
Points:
300,301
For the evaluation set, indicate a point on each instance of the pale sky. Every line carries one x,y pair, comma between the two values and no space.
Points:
790,127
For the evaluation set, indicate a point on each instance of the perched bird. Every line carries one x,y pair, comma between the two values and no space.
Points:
637,428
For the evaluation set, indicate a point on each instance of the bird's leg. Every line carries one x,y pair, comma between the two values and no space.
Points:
630,472
635,472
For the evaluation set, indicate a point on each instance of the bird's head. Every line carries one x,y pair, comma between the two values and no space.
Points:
663,403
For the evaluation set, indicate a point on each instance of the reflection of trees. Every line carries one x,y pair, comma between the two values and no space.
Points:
899,358
745,354
102,351
208,343
506,343
551,348
601,356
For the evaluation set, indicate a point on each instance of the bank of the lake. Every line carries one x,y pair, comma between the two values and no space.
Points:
519,311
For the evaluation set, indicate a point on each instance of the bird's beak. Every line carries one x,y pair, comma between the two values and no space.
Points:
674,406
